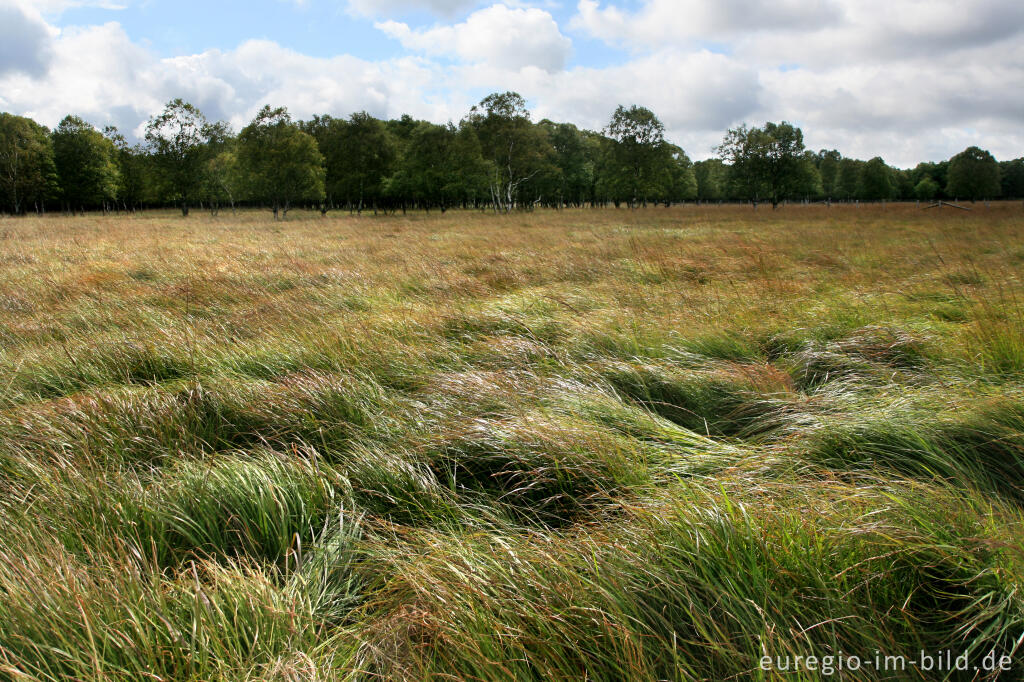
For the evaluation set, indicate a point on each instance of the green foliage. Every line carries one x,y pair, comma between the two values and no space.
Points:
640,162
227,180
28,174
848,179
496,157
576,154
936,172
85,162
712,178
359,156
281,163
903,184
1012,175
927,189
973,174
769,163
681,182
518,153
134,170
441,166
828,162
181,141
876,181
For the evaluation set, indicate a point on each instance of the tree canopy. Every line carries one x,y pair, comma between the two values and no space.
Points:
640,163
495,158
86,164
280,163
876,181
28,174
1012,178
769,163
442,166
182,141
516,151
973,175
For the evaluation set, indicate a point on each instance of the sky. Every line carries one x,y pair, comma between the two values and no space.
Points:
907,80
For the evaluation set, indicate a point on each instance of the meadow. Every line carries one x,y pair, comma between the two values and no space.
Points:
658,444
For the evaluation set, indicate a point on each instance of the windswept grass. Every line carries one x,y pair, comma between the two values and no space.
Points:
605,445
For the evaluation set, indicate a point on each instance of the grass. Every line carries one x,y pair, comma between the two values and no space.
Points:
607,445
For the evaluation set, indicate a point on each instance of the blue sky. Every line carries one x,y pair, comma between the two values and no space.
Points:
314,27
908,80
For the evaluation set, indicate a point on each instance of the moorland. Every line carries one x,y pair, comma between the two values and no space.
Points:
641,444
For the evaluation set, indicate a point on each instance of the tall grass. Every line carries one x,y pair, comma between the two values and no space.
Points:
649,445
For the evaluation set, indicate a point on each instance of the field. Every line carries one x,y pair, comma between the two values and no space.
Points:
581,445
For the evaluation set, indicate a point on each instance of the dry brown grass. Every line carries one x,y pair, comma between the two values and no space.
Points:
601,444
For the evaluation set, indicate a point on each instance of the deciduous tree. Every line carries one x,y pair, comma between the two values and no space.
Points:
828,167
712,180
86,164
1012,178
574,156
876,181
368,157
640,162
134,169
227,181
182,142
282,164
441,167
848,178
926,190
973,174
681,184
768,163
28,175
516,150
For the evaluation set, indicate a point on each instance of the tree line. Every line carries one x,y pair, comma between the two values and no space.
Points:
496,158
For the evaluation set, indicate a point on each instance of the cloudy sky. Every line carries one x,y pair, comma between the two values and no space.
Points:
908,80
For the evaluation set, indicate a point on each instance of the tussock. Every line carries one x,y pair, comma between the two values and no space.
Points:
606,445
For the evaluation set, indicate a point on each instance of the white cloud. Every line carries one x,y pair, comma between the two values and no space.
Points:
834,30
500,36
385,8
26,41
666,22
55,7
909,90
906,111
100,74
696,95
689,91
915,79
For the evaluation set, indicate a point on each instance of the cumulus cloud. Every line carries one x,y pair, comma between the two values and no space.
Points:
908,89
100,74
902,78
906,111
25,41
384,8
696,95
509,38
55,7
828,29
662,22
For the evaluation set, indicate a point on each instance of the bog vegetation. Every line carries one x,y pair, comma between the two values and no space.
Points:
496,158
656,444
